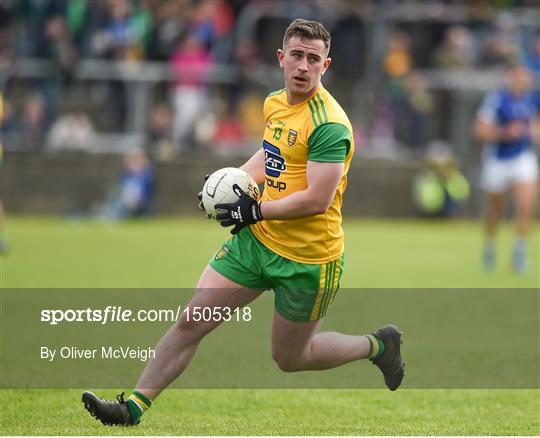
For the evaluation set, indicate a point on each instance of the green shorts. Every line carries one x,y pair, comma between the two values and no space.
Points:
303,292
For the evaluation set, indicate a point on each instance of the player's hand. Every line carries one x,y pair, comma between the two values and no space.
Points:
515,130
245,211
199,195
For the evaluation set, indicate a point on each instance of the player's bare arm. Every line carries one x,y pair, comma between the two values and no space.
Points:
255,166
322,181
486,132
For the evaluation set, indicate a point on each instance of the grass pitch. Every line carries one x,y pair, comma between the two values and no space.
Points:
171,254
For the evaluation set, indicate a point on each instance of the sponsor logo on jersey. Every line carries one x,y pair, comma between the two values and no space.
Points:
291,138
221,253
279,185
274,163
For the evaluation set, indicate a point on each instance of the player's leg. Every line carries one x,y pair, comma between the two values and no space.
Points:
525,195
495,183
174,351
299,311
297,347
524,174
494,210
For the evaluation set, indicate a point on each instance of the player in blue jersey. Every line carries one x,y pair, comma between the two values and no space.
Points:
507,125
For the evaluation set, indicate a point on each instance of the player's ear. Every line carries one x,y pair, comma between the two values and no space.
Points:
280,57
326,64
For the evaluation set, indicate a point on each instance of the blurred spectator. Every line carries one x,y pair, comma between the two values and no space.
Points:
532,56
134,194
34,15
410,102
440,187
502,46
123,36
170,23
398,60
229,135
76,17
456,51
419,110
60,48
61,52
497,51
33,124
6,50
72,131
8,121
397,64
212,22
349,42
161,146
190,65
245,56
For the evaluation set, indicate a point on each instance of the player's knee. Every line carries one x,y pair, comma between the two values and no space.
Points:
187,328
285,362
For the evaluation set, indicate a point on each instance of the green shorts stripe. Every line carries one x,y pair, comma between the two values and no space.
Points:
331,286
328,282
303,292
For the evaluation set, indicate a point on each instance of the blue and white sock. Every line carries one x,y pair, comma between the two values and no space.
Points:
519,255
489,255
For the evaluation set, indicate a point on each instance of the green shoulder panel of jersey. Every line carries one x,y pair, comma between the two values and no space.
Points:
329,143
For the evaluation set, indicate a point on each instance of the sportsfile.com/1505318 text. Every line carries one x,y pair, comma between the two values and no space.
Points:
112,314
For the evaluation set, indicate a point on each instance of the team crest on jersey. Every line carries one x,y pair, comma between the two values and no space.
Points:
291,138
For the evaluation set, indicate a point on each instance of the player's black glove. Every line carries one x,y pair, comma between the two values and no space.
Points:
245,211
199,195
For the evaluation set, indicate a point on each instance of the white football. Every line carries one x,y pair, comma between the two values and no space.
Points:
218,188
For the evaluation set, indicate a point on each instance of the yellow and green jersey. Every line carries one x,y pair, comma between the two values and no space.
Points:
314,130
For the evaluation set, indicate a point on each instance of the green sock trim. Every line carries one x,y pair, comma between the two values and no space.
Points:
381,347
145,399
134,412
376,347
136,409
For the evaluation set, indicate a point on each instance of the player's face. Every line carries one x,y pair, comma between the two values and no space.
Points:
519,80
303,63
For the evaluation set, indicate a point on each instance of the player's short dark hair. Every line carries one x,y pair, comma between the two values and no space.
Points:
311,30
